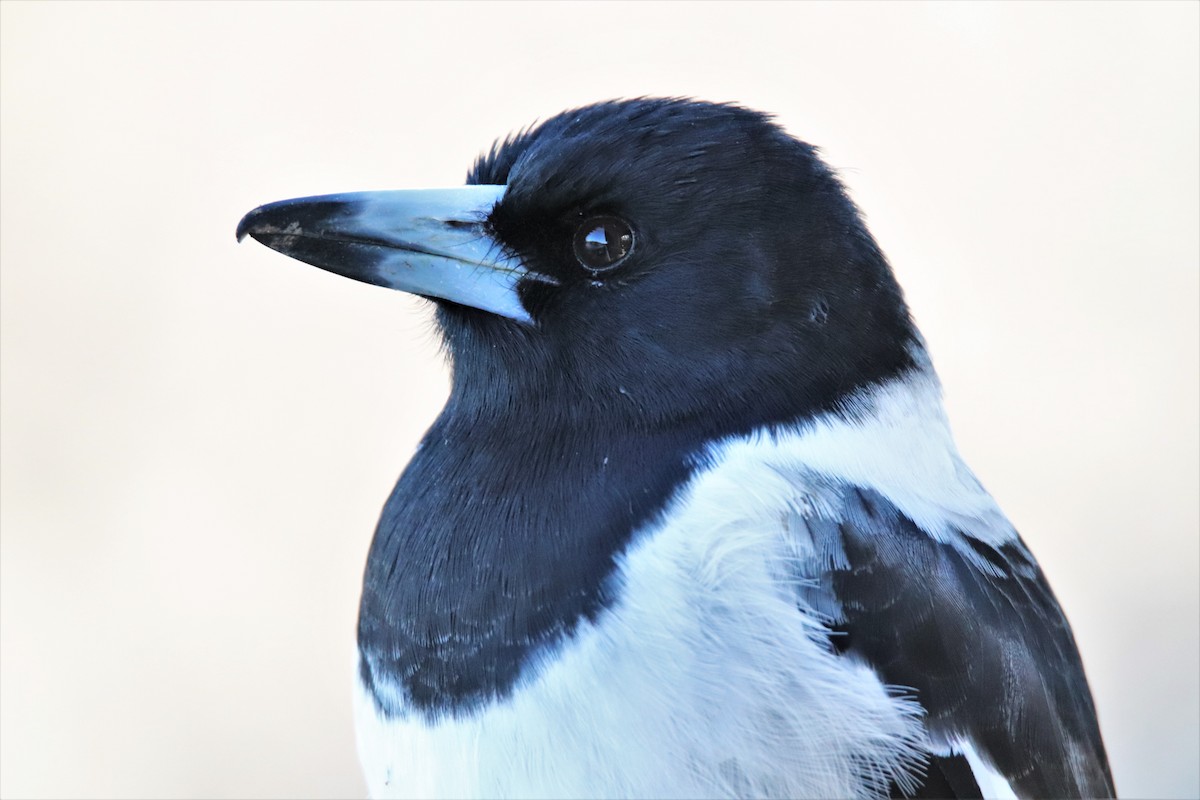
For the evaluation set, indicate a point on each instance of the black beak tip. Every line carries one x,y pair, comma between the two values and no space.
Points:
246,226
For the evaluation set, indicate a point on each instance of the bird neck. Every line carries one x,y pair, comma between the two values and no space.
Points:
499,538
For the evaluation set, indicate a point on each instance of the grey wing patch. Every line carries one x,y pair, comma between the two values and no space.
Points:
973,629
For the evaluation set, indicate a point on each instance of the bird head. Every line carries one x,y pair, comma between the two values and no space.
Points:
657,261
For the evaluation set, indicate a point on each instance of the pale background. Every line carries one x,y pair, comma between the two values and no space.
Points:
197,437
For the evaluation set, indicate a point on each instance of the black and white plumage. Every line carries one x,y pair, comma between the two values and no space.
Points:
692,522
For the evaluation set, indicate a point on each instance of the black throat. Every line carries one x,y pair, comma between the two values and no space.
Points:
498,540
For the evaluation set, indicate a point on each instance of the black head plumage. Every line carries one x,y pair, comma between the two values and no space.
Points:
753,292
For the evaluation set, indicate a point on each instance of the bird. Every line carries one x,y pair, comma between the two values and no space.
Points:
692,522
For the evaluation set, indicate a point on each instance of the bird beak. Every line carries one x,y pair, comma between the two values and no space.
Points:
430,242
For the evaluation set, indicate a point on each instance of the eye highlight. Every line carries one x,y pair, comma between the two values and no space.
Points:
602,243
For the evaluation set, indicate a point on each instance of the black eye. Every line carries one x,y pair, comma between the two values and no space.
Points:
601,243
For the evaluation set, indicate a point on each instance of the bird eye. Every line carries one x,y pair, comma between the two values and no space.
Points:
602,243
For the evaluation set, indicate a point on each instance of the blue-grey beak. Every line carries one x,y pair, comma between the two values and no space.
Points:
430,242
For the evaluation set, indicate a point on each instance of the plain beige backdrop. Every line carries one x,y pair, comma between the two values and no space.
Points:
197,436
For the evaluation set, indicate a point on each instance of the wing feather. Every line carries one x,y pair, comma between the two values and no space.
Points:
974,629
